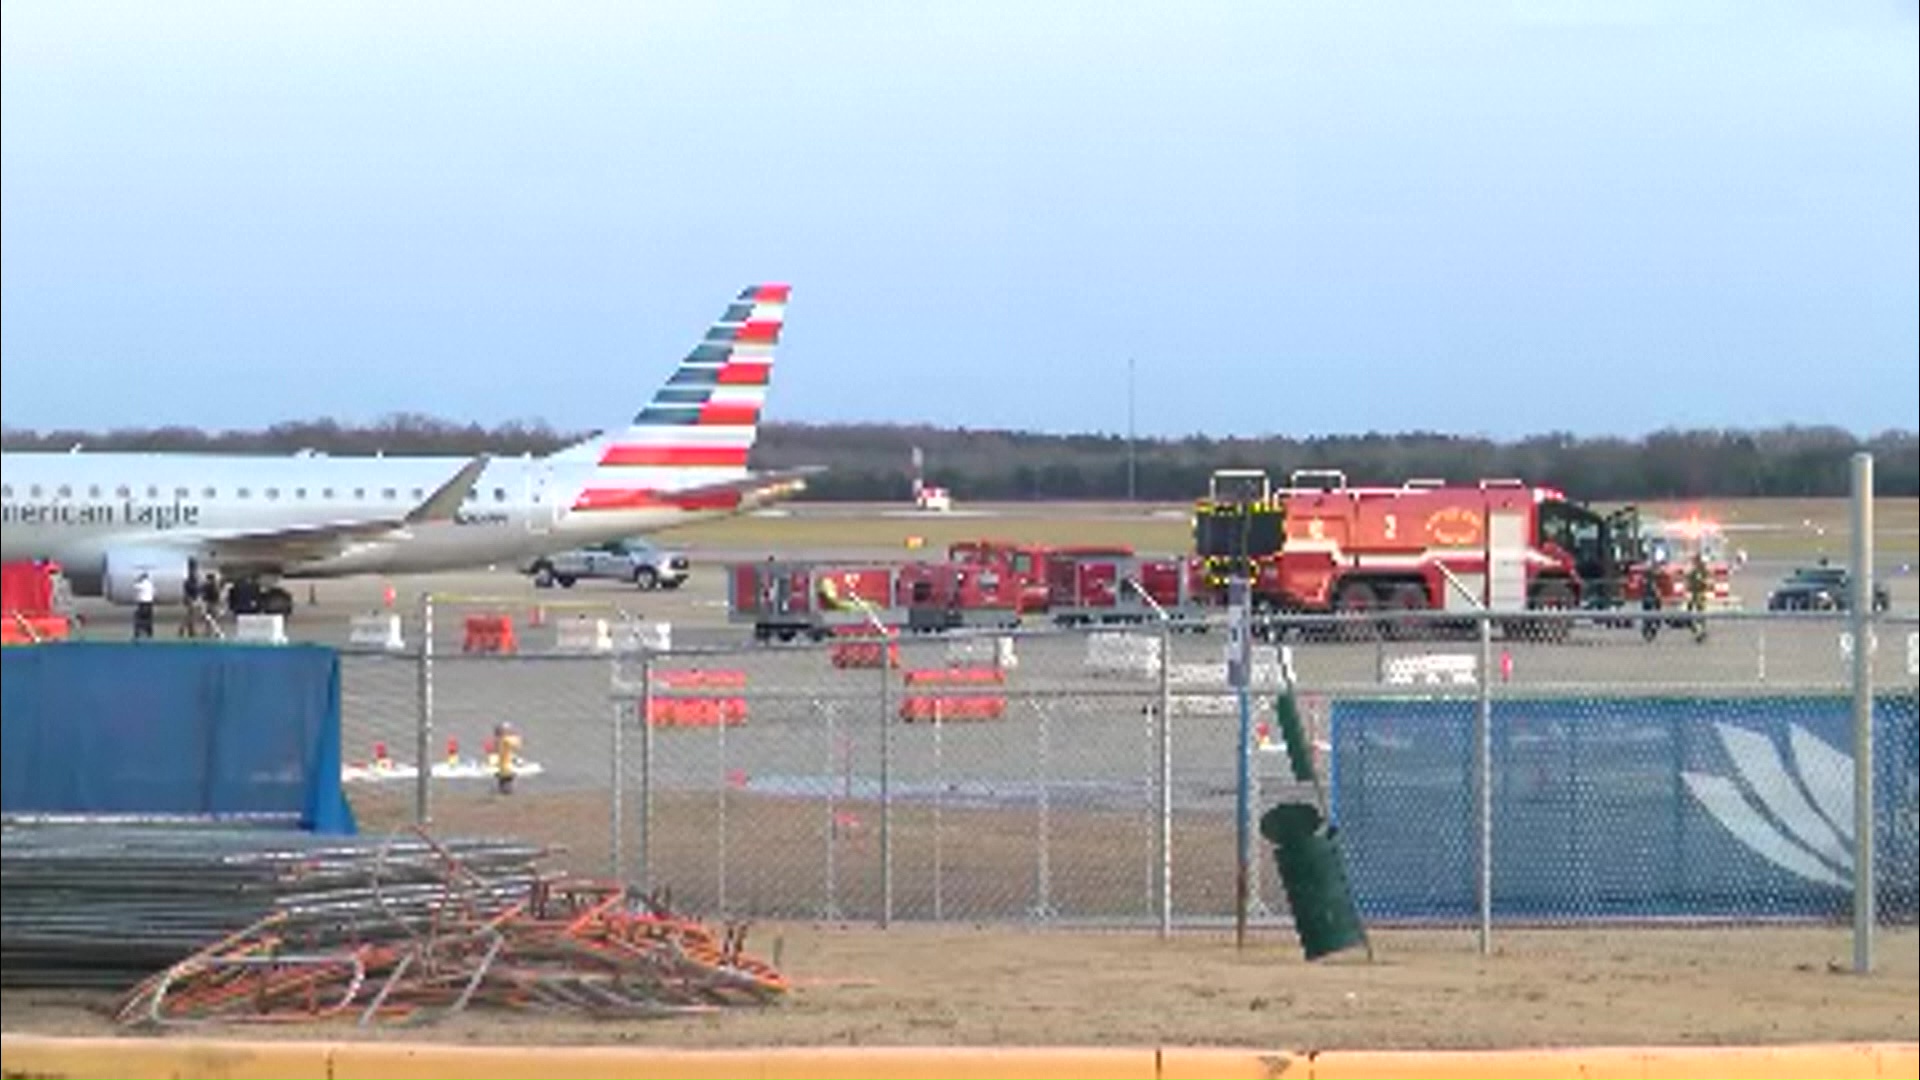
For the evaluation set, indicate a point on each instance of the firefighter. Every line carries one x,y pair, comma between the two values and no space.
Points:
1698,582
1650,600
506,763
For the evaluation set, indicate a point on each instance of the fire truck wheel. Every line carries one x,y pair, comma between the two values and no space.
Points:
1357,597
1552,596
1402,598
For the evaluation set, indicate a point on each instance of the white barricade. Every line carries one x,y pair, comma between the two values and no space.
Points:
261,629
582,635
380,630
998,651
1135,656
1430,669
642,636
1913,655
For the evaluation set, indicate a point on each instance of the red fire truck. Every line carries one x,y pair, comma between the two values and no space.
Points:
1321,545
1095,588
786,600
1028,564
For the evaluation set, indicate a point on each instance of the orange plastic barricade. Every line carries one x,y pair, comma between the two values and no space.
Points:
855,647
489,634
957,693
695,698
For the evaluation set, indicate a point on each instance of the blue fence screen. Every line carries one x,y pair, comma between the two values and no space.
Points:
151,728
1623,807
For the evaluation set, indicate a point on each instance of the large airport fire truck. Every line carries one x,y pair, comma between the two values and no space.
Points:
1320,545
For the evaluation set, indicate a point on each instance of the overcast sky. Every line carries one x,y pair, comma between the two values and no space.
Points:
1498,218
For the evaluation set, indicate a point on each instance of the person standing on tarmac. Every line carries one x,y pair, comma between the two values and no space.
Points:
190,598
143,606
1698,582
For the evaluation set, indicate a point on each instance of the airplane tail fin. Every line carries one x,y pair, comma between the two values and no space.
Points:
697,430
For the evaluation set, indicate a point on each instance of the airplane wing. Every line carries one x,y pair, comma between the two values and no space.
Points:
277,548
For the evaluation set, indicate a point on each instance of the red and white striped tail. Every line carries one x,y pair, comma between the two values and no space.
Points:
699,428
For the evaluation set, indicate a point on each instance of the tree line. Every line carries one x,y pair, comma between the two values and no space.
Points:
873,462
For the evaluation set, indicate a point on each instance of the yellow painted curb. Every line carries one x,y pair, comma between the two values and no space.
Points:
23,1056
33,1057
1819,1062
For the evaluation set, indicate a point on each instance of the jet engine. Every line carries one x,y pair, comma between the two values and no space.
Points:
168,569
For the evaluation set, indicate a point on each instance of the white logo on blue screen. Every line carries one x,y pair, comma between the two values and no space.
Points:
1806,827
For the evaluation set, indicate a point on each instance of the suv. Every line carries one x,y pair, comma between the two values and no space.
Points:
1820,588
621,560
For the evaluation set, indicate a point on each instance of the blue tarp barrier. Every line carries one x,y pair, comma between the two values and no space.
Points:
154,728
1635,807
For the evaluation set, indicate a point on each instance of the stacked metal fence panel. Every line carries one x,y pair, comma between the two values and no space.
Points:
94,905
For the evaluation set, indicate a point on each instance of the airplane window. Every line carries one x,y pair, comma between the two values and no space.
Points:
388,493
6,491
123,491
273,493
180,493
65,491
499,494
299,493
152,492
207,493
240,493
326,493
93,491
419,494
35,490
470,495
359,493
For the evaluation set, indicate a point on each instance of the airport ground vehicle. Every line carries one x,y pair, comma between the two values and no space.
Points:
631,559
788,600
1319,545
1031,565
1096,588
1821,588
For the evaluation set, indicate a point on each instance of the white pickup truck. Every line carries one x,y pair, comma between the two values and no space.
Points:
637,561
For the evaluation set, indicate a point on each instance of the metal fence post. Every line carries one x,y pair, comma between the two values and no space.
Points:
886,779
939,783
1862,619
1163,737
1043,865
836,763
1483,768
423,783
720,825
617,839
645,716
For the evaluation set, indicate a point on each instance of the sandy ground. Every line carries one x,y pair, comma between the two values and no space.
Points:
1424,989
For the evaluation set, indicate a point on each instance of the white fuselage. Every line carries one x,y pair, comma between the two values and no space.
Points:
75,508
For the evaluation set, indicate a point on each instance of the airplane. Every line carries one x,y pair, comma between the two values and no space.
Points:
106,518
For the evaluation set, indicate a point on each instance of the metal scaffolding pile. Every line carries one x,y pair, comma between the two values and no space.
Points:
253,926
101,905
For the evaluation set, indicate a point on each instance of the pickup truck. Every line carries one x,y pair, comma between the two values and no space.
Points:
637,561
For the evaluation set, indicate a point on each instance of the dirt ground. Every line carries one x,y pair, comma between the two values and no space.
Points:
922,985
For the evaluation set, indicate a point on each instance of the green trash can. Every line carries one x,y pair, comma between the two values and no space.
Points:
1315,876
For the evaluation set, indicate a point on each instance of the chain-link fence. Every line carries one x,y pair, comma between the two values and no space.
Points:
1090,776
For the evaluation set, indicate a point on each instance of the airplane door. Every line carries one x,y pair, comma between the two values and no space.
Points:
540,509
1507,560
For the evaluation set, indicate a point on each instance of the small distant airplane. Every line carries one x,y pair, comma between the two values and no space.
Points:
107,518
